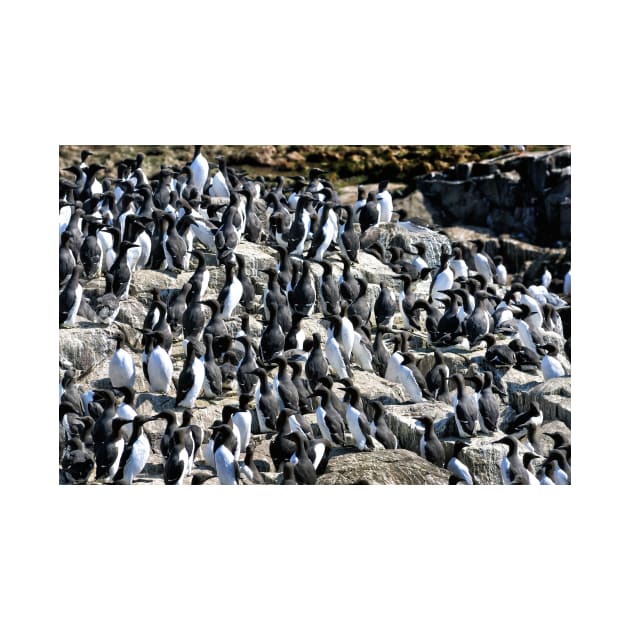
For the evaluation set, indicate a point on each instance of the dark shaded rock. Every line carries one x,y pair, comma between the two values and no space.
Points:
524,194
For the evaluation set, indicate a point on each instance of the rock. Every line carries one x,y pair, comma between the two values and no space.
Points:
414,207
527,194
400,467
482,458
400,419
85,347
397,235
373,387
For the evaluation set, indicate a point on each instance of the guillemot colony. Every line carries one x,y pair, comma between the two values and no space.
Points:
208,225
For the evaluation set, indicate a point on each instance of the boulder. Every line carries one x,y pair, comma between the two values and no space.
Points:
84,347
398,235
414,207
397,467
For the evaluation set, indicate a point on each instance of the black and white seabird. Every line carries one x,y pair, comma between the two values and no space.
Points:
457,467
158,365
466,409
191,377
305,473
489,410
512,470
249,468
136,452
329,421
70,298
431,448
176,464
316,365
379,428
384,307
357,420
266,403
109,453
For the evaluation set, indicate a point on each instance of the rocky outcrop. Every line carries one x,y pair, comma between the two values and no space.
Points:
399,467
528,196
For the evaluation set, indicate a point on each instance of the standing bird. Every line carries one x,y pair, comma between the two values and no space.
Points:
305,473
384,307
329,421
200,277
384,198
370,213
109,453
336,355
458,264
226,455
197,434
316,365
326,233
249,290
173,245
484,265
249,468
121,271
232,291
303,297
348,283
408,303
350,239
288,395
70,298
176,464
512,470
213,380
466,409
272,338
329,298
528,457
67,261
191,378
356,419
489,409
199,170
443,279
136,453
266,403
90,252
159,367
545,278
458,468
281,448
501,274
561,474
434,375
242,419
379,428
430,446
361,305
